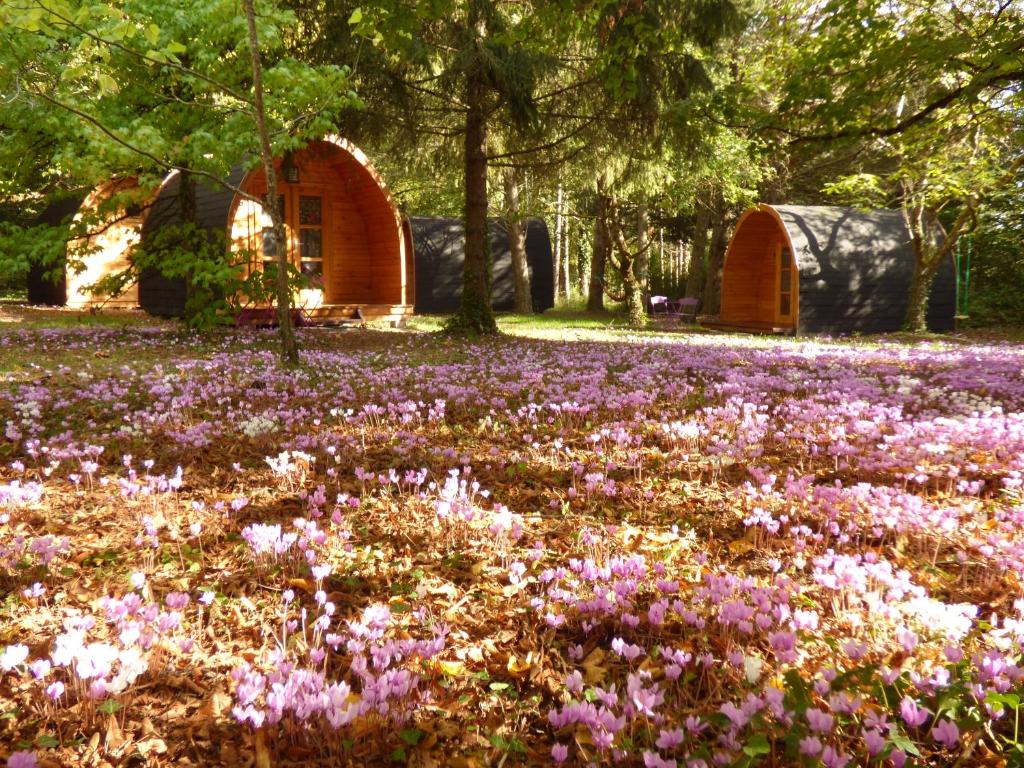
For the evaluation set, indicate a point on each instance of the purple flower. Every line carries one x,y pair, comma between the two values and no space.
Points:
559,753
833,758
736,715
654,760
22,759
874,741
946,733
670,739
912,714
820,722
810,746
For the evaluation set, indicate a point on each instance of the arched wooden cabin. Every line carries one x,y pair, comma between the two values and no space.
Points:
825,269
344,232
440,251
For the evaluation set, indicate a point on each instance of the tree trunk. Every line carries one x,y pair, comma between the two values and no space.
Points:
929,251
475,314
917,302
289,350
517,244
599,256
187,211
636,311
716,258
566,261
558,242
695,270
642,267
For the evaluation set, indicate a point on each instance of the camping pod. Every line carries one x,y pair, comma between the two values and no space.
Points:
825,269
106,249
440,252
343,232
103,226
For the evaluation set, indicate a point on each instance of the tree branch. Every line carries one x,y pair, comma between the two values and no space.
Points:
143,153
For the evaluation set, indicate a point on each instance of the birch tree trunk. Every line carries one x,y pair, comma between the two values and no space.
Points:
289,350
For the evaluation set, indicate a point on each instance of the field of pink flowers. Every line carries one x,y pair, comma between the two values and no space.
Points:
659,551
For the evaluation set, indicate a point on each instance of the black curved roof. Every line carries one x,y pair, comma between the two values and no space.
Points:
166,296
855,270
439,247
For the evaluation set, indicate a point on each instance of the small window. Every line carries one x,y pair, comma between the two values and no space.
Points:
311,252
269,241
309,210
310,241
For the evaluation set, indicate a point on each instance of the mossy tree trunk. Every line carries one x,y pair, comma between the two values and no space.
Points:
625,262
930,247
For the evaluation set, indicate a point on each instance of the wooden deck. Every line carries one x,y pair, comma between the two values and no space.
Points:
715,324
332,313
328,314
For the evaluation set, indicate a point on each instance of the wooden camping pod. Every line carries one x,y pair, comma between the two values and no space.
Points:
825,269
343,230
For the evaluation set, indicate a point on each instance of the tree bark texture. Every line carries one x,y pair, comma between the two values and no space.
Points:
558,242
475,314
517,244
599,256
643,256
695,270
716,257
289,349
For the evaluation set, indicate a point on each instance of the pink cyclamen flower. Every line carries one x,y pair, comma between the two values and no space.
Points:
874,741
946,733
654,760
559,753
736,715
833,758
670,738
22,759
912,714
810,746
820,722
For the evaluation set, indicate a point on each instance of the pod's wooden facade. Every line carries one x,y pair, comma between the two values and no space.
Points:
343,230
824,269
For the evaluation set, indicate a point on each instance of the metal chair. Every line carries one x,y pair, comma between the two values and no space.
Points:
685,308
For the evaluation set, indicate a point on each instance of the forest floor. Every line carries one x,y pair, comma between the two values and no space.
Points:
571,543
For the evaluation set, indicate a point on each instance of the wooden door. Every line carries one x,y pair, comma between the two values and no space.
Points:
305,218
